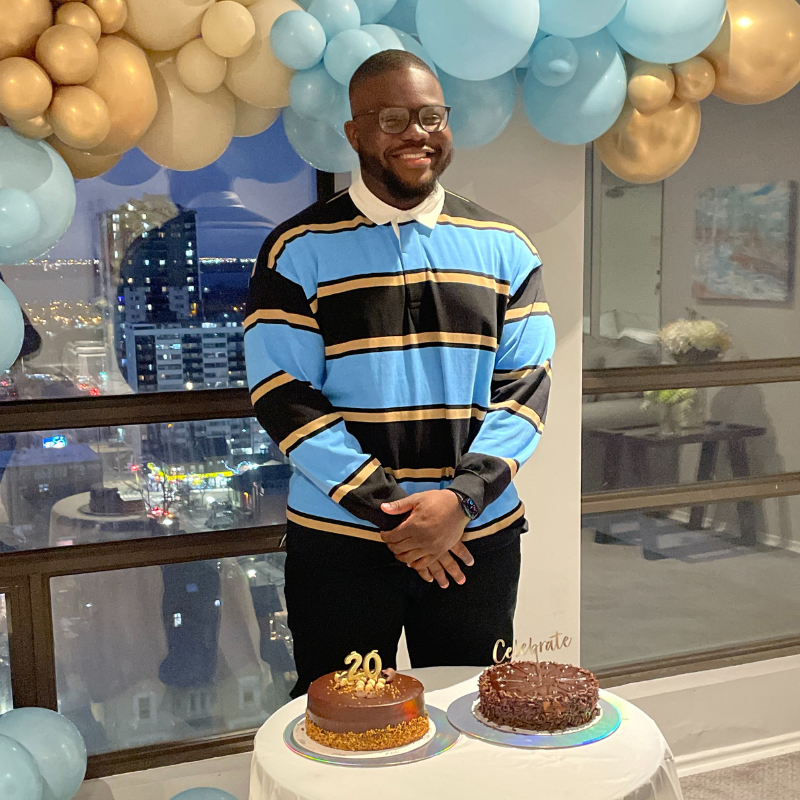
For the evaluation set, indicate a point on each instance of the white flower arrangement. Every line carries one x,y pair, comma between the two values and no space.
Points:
700,335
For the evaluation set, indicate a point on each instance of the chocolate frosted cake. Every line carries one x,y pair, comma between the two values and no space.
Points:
538,697
363,713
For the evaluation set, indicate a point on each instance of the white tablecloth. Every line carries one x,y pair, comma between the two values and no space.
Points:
634,763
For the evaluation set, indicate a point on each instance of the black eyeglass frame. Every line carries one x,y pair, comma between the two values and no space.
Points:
412,115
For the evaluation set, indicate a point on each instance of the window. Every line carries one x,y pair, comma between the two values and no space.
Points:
6,701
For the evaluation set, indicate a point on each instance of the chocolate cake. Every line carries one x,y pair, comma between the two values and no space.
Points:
356,716
544,696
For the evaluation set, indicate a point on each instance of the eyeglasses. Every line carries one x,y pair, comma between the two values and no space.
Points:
432,119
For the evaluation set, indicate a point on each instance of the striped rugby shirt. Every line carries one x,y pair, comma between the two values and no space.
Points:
386,361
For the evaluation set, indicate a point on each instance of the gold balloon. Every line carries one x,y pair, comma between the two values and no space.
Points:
694,79
21,22
190,130
257,77
651,88
111,13
79,117
83,165
200,69
646,148
80,16
228,28
252,120
36,128
124,81
756,55
69,54
25,89
165,24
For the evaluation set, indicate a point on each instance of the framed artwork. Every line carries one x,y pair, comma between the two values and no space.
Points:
746,244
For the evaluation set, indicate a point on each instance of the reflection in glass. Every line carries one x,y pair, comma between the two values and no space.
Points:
160,654
60,488
6,702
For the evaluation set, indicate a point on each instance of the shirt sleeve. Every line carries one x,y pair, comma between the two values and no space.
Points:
285,356
520,389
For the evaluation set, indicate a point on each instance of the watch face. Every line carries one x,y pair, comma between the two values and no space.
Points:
470,508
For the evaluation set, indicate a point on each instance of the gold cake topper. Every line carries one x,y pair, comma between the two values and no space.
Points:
364,674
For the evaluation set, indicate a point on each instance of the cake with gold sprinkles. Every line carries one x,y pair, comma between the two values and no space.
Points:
366,708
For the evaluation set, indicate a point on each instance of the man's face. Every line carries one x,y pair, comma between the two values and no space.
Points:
407,165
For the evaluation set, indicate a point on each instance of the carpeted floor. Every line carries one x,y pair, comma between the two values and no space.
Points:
772,779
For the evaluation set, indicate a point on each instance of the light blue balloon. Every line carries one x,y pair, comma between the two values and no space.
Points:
554,61
20,778
298,40
55,744
340,110
410,44
477,41
403,16
336,16
481,110
204,794
35,168
319,144
12,331
374,10
590,103
312,93
575,18
19,218
346,52
386,38
667,31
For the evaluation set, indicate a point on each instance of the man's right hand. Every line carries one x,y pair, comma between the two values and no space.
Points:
446,565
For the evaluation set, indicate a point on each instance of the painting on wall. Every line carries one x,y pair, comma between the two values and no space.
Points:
746,241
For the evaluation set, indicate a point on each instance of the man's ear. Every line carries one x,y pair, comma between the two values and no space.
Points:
351,132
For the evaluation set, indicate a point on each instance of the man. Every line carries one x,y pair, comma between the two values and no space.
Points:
398,350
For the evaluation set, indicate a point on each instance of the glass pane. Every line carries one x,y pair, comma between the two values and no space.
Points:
6,702
161,654
145,292
656,585
89,485
689,435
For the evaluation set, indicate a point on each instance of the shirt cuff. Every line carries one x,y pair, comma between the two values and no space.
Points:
473,486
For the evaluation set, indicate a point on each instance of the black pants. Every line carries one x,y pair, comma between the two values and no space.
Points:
335,609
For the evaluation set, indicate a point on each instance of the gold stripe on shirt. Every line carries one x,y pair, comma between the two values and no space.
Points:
332,527
464,222
517,408
413,414
470,535
428,276
514,314
306,431
276,315
360,477
432,473
411,340
266,388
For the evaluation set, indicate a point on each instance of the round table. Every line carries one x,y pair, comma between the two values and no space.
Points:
634,763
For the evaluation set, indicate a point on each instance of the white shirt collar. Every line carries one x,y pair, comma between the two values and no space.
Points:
426,213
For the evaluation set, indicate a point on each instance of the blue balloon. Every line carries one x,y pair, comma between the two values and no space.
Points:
667,31
55,744
554,61
12,332
298,40
132,169
374,10
20,778
35,168
313,93
413,46
575,18
477,41
19,218
386,38
204,794
346,52
340,111
403,16
481,110
590,103
319,144
336,16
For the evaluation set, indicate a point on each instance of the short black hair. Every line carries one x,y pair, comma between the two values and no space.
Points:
387,61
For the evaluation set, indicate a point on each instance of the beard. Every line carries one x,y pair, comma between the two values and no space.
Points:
395,185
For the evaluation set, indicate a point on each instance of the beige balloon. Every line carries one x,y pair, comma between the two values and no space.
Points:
69,54
228,28
164,24
21,23
111,13
651,88
25,89
694,79
124,81
80,16
200,69
83,165
246,2
647,148
756,55
79,117
190,131
252,120
36,128
257,77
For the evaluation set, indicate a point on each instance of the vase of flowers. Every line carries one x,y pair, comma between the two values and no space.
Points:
695,341
678,409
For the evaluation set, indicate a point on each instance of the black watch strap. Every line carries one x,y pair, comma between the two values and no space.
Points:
467,505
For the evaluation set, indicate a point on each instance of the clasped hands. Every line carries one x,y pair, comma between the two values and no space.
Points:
431,535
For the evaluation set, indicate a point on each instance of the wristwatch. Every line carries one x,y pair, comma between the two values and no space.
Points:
467,504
